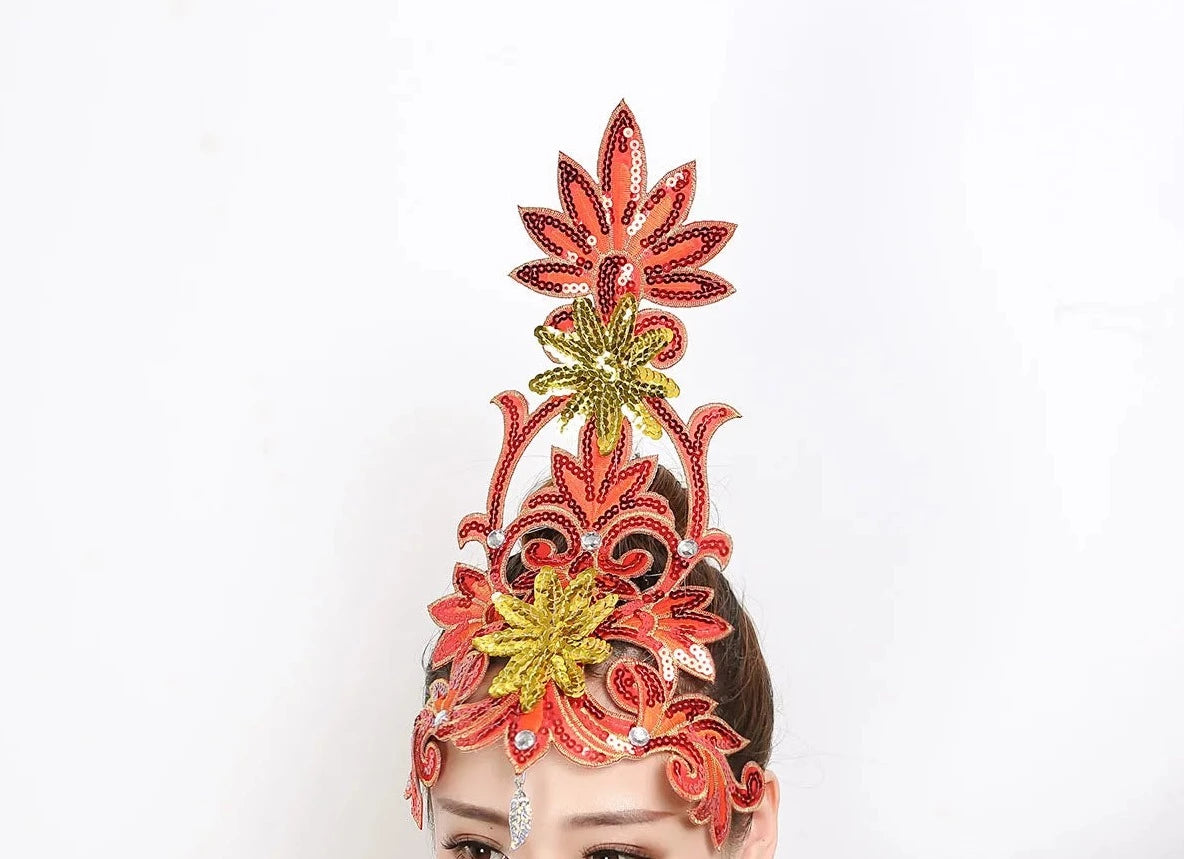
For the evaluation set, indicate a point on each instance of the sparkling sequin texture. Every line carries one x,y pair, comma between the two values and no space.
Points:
616,242
550,639
607,369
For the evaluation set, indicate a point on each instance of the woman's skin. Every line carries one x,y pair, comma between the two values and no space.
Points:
626,810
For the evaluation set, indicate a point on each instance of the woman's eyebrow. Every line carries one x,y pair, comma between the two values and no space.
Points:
473,812
616,818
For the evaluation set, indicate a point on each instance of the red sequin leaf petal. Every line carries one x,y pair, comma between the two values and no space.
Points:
686,288
475,725
556,278
713,732
692,246
461,614
472,595
555,235
688,708
621,168
665,208
685,599
453,642
580,196
680,617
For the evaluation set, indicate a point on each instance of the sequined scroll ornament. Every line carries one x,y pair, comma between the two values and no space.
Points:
615,243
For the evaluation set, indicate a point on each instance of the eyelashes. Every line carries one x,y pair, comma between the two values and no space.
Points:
616,853
471,848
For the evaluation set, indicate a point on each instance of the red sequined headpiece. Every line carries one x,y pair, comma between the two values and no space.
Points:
616,242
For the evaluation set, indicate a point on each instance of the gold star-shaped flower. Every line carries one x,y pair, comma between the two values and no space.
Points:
549,639
606,369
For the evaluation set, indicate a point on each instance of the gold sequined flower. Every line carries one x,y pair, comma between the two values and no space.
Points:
606,369
549,639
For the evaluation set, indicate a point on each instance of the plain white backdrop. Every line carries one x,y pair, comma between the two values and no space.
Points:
253,266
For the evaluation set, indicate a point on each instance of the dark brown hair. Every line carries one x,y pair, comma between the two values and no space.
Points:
742,687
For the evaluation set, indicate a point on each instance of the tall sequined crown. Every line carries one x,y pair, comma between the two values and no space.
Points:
616,243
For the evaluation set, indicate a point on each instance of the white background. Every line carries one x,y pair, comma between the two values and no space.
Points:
253,258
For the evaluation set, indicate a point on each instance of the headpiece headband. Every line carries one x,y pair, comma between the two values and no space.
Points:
616,243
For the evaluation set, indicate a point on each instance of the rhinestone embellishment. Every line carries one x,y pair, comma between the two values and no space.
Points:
688,548
495,539
590,541
524,740
638,735
520,813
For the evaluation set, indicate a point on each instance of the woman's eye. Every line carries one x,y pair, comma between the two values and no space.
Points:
474,850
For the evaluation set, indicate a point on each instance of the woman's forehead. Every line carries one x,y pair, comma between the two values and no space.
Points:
558,788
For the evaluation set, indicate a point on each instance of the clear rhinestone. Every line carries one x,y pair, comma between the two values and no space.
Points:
524,740
590,541
688,548
440,718
638,735
495,539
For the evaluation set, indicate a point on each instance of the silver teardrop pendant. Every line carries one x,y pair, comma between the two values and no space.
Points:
520,813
